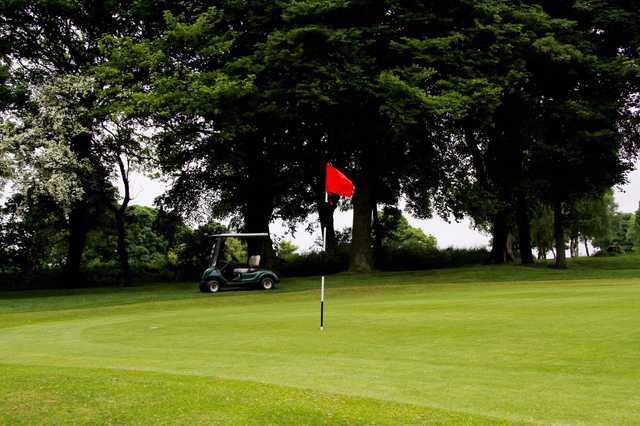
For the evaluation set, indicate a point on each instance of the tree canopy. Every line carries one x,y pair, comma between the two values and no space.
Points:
518,114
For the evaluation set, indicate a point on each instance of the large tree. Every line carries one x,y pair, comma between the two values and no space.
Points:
66,44
359,105
467,53
231,151
585,79
252,107
471,107
48,42
545,92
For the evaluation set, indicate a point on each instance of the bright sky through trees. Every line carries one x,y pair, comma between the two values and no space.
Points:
448,234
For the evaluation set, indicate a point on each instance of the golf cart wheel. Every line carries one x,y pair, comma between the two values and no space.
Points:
212,286
267,283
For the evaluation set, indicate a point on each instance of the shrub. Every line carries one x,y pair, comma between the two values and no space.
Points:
416,258
313,263
613,250
395,258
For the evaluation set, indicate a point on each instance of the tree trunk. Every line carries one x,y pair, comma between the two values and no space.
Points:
258,212
524,229
542,253
258,190
377,235
558,232
78,230
79,217
361,258
123,252
586,247
500,252
509,247
573,247
325,214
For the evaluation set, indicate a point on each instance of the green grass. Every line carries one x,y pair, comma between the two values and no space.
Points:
482,345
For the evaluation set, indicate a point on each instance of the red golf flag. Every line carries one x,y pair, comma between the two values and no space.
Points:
337,183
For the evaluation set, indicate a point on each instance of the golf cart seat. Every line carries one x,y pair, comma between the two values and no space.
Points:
254,263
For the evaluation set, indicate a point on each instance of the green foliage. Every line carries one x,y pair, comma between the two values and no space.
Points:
591,217
202,84
395,232
612,250
393,258
70,134
313,263
148,248
146,245
633,230
618,232
491,109
194,249
285,249
235,251
542,230
33,242
32,236
415,258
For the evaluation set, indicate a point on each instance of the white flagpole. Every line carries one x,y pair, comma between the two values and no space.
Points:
324,249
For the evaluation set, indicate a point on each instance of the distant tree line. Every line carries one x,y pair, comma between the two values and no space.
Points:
593,223
518,114
160,246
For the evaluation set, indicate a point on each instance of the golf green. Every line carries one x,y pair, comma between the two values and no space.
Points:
477,345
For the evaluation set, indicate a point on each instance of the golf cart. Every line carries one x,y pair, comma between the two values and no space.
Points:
221,273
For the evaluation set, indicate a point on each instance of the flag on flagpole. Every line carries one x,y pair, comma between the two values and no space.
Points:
337,183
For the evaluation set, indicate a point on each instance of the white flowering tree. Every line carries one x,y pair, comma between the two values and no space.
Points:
69,149
36,147
48,152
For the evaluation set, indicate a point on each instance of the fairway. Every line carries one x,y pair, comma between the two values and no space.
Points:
484,345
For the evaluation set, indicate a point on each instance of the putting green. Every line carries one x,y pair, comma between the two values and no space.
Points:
459,346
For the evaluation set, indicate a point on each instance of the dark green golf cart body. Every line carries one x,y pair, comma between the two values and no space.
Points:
217,275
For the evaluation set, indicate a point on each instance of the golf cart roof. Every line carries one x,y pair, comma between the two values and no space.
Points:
239,235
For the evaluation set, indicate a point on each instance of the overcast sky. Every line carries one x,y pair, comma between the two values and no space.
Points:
454,234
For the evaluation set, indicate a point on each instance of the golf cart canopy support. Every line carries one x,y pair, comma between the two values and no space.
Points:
215,250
